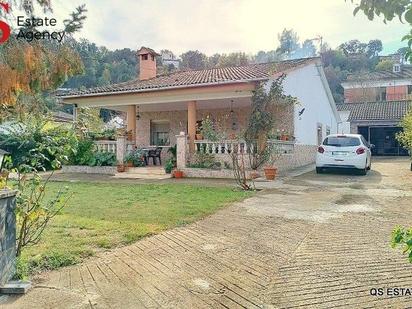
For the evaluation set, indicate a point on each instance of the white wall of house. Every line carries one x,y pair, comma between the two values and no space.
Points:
306,84
344,126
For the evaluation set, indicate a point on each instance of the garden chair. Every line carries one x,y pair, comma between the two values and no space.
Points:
155,153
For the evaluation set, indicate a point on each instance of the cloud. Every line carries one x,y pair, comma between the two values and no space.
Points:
225,25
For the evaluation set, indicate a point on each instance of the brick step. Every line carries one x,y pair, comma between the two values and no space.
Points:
146,170
141,176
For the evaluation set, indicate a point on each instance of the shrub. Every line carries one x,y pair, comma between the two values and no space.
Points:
103,159
170,164
136,157
83,154
204,160
36,144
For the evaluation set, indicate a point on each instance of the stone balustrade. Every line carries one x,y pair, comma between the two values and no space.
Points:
227,146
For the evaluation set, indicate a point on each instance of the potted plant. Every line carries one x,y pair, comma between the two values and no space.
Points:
178,173
121,167
129,159
270,169
270,172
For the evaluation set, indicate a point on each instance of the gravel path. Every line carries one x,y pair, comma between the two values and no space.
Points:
316,241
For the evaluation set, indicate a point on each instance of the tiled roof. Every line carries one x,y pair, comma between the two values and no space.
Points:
184,79
387,110
405,73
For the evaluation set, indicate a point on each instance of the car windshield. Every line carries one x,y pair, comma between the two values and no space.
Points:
341,141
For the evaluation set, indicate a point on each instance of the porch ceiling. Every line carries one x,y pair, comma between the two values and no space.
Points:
207,97
177,106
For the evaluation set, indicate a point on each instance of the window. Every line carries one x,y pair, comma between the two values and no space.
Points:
342,141
396,68
145,57
409,89
160,132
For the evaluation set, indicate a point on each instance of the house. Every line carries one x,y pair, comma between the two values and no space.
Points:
385,85
169,59
162,109
374,105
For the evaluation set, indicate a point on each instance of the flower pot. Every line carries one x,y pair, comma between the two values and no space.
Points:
121,168
270,173
254,175
178,174
129,164
284,137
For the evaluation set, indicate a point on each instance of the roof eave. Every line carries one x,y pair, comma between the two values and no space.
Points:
160,89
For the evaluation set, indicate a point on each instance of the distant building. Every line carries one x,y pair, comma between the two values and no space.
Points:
374,105
168,58
387,85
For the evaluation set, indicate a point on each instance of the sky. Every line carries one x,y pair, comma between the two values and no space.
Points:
223,26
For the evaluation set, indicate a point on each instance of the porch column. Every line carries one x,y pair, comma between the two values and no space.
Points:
131,121
191,124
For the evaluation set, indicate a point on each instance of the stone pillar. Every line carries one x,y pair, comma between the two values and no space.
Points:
7,235
191,124
120,148
131,121
181,145
75,113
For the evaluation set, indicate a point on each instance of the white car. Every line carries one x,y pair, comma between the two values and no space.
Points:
350,151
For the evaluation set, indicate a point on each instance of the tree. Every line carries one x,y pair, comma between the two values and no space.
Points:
389,9
373,48
260,126
308,49
289,43
353,47
194,60
213,61
384,65
28,69
233,59
405,137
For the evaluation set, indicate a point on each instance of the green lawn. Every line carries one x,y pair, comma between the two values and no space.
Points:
101,216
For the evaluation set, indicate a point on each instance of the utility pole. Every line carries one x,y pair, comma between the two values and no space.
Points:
320,39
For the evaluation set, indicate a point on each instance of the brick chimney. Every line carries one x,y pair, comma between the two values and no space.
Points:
147,59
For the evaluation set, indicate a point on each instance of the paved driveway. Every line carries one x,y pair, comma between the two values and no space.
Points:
318,241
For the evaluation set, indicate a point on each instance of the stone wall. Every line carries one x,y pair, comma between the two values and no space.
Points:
7,235
302,155
105,170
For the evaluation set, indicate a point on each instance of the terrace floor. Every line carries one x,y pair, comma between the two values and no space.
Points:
314,241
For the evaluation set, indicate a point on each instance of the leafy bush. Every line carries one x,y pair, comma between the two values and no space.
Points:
204,160
403,237
108,134
36,144
103,159
136,157
405,137
170,164
83,153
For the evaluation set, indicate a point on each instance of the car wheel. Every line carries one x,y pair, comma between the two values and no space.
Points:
319,170
369,167
363,172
